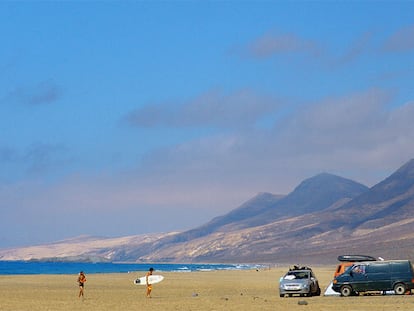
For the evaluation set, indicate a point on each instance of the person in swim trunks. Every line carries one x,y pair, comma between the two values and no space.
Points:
149,286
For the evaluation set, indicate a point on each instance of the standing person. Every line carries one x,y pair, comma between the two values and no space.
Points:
149,285
81,281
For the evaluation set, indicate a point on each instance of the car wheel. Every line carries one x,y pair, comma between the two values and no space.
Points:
399,289
318,291
282,296
346,291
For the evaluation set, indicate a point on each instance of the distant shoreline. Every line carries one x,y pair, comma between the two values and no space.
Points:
53,267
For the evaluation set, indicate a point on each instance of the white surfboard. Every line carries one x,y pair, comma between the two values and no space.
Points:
152,279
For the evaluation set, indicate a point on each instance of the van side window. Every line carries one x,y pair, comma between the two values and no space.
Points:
379,268
359,269
400,266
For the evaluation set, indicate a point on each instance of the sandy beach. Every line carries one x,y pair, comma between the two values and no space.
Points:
212,290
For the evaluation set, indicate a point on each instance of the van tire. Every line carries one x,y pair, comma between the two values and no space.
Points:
400,289
346,291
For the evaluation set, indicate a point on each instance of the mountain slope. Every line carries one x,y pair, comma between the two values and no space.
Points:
389,201
325,216
82,248
379,221
255,206
312,195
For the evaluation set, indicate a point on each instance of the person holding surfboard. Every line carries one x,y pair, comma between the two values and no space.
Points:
81,281
149,286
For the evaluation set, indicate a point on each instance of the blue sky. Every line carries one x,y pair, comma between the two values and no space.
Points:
121,118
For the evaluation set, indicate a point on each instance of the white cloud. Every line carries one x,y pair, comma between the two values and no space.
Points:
45,92
400,41
272,44
214,108
355,132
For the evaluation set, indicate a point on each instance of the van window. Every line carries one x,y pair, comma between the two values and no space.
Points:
379,268
359,269
402,266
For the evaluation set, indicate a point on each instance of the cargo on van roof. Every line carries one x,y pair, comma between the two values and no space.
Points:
354,258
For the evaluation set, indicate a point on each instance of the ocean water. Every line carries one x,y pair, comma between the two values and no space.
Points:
35,267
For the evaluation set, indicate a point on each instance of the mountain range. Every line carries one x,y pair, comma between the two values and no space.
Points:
323,217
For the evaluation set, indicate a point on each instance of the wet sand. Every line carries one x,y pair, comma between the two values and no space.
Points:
212,290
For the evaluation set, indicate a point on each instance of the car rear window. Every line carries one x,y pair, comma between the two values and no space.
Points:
299,275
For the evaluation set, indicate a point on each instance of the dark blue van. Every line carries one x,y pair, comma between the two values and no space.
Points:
396,275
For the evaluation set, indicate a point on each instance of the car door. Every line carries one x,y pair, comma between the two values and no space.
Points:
314,284
359,280
378,277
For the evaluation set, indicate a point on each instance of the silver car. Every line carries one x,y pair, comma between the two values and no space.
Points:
301,282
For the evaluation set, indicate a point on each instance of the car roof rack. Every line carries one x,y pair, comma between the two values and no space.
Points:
297,267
